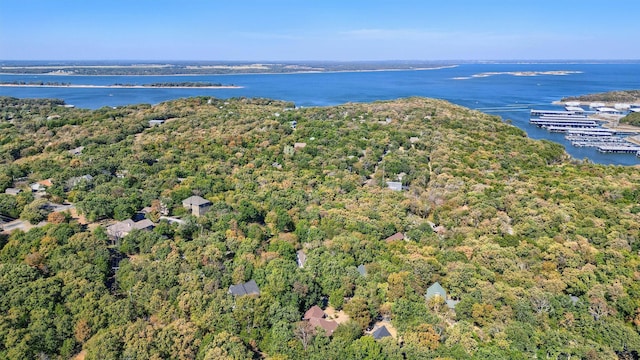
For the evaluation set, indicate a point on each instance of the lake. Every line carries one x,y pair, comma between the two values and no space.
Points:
506,95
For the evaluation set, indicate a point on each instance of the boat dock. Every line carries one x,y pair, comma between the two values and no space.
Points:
576,130
538,113
565,123
619,149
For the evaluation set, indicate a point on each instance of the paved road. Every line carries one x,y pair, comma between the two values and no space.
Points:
25,225
17,224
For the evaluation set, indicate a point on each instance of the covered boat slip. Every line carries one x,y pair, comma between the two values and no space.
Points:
565,123
547,113
619,149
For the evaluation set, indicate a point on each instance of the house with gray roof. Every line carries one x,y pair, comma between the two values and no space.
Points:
301,258
12,191
362,270
380,333
248,288
394,185
77,180
437,290
77,151
197,205
123,228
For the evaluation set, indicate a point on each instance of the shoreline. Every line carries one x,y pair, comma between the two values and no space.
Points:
247,73
72,86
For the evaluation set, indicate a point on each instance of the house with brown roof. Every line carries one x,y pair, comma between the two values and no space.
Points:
329,326
395,237
316,317
41,185
314,312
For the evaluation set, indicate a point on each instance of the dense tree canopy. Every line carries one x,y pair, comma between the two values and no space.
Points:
540,250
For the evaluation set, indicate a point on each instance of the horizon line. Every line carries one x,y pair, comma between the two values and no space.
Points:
334,61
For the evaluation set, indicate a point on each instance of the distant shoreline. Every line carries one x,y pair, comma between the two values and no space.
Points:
307,71
72,86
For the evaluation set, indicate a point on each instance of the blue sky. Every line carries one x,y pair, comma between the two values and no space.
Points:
256,30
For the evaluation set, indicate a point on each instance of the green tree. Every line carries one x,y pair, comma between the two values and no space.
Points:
36,211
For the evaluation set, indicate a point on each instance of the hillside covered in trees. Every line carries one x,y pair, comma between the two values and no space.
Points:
622,96
538,253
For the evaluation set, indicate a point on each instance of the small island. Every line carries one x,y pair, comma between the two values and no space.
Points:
518,73
163,85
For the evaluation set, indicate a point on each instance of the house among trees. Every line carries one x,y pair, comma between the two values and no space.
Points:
362,270
123,228
437,290
155,122
395,237
314,312
197,205
248,288
381,332
77,151
394,185
316,317
301,258
75,181
12,191
41,186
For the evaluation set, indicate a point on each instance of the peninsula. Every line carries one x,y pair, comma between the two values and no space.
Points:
608,98
210,67
164,85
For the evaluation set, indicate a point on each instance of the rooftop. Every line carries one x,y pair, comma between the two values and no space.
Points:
380,333
195,200
314,312
248,288
395,237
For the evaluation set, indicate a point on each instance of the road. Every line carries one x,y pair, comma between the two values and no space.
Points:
10,226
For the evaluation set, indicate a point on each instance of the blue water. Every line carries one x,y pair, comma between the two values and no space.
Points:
508,96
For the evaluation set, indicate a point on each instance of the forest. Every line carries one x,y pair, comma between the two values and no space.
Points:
363,210
632,118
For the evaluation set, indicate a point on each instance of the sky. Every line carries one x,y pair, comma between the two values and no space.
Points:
299,30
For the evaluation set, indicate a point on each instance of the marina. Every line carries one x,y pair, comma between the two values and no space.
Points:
582,131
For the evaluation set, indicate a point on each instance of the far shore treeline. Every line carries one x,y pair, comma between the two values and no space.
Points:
184,84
